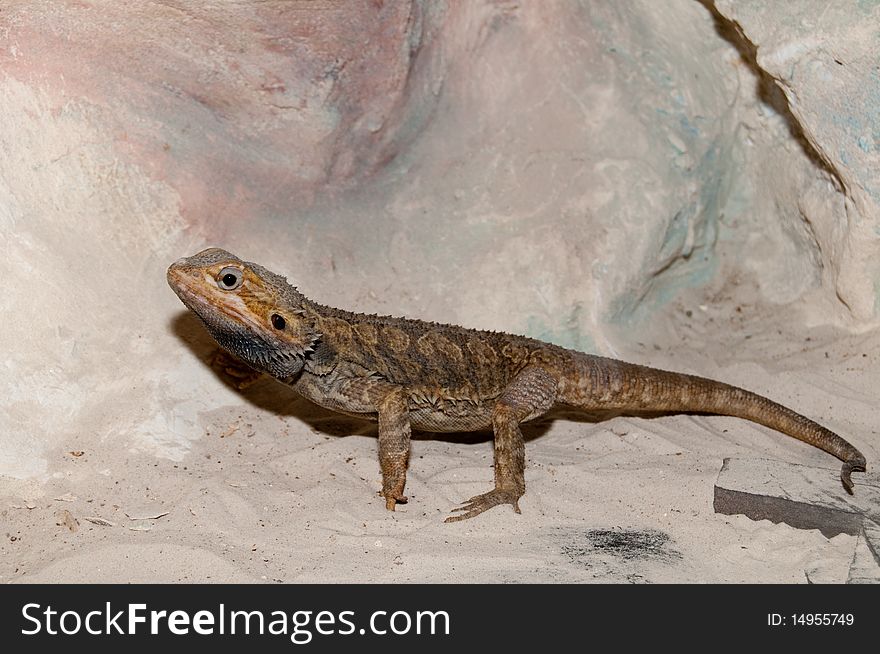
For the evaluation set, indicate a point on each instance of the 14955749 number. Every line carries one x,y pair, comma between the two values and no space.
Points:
810,619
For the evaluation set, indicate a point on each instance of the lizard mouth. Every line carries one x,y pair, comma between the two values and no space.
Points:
234,326
209,306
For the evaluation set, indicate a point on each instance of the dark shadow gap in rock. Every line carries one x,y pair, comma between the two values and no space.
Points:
769,92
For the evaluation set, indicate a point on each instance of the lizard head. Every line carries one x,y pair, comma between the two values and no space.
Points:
251,312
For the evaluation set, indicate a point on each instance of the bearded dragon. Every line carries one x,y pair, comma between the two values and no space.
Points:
410,374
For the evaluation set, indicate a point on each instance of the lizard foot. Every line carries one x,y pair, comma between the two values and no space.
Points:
235,371
476,505
392,500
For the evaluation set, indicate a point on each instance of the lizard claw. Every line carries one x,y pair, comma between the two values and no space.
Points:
394,500
476,505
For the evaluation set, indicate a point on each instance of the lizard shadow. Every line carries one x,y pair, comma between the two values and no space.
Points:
276,398
265,394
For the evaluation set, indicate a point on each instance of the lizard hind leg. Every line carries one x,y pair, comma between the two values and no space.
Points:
528,396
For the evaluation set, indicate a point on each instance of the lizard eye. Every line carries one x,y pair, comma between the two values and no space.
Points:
229,279
278,322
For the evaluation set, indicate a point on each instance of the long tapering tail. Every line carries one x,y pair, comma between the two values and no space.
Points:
611,384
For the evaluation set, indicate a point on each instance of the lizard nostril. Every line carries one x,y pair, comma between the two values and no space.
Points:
278,322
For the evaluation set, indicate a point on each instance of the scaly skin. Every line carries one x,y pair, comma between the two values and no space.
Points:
408,374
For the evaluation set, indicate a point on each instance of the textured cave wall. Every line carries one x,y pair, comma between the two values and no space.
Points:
557,169
823,57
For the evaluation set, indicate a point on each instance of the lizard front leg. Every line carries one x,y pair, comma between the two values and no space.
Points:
531,393
234,370
394,445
